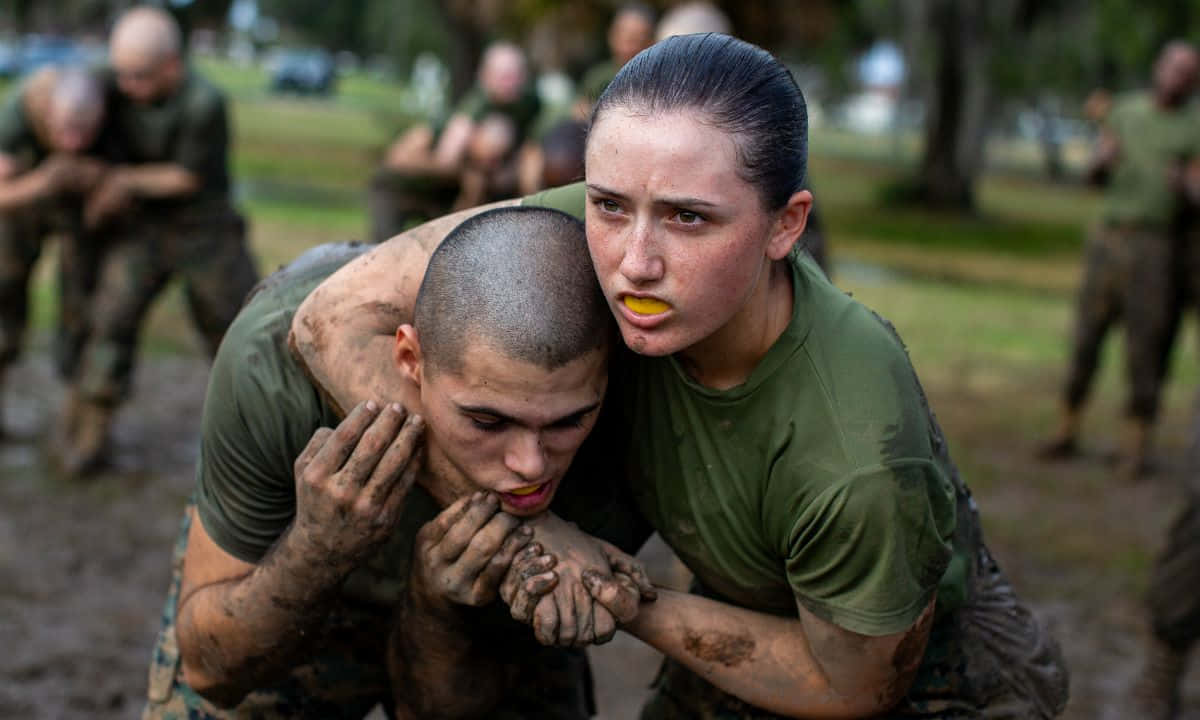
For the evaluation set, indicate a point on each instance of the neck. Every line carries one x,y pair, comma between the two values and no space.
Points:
726,358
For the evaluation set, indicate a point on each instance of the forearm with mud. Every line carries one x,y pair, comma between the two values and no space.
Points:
21,191
769,661
240,634
160,180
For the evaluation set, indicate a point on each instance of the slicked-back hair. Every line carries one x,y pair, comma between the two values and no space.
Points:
517,280
734,86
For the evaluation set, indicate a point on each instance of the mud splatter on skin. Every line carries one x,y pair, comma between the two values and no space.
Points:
907,659
727,649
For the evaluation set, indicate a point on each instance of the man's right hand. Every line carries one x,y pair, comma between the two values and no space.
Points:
463,554
351,482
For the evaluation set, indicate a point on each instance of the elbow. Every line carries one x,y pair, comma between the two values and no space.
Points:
218,690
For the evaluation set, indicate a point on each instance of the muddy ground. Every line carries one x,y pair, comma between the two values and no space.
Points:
83,566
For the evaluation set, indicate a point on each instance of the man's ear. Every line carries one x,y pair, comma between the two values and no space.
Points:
789,225
406,353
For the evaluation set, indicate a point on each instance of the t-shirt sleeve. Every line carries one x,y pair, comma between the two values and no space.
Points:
203,140
571,199
867,553
15,132
245,492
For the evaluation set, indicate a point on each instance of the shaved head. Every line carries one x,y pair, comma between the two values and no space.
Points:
146,31
146,53
518,281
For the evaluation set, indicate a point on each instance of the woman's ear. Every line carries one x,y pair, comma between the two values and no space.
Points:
790,224
406,353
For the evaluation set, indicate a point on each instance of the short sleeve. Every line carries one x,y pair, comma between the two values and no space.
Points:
571,199
203,140
256,421
868,553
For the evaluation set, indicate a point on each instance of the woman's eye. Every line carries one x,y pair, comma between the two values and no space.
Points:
609,206
686,217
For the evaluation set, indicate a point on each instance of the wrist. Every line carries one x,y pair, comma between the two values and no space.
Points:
311,560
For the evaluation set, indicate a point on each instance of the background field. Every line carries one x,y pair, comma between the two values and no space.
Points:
984,304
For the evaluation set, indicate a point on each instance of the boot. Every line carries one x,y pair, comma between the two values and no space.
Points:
1062,445
1136,451
85,453
1155,692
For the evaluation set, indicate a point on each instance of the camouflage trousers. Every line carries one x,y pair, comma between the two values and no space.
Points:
988,660
1129,276
1174,595
396,201
22,235
208,253
345,675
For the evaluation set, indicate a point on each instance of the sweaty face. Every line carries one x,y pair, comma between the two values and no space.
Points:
509,426
677,237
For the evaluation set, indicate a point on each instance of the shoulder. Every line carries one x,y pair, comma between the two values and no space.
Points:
571,199
200,97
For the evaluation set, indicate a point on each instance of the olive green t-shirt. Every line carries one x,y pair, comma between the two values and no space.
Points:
190,127
523,111
813,483
1151,141
260,411
596,79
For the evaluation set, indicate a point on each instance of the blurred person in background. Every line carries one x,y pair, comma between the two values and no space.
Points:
631,31
1145,153
422,170
165,211
50,137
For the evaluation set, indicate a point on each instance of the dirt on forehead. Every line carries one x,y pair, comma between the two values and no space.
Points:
84,565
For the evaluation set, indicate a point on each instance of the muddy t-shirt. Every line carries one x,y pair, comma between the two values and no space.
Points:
259,413
812,483
1152,140
190,127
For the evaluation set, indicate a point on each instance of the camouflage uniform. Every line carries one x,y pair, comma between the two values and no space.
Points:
200,238
207,252
348,676
1127,276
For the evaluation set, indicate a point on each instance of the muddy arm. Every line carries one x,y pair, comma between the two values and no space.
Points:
240,625
800,667
344,329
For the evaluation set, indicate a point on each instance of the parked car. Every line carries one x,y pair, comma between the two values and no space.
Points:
307,72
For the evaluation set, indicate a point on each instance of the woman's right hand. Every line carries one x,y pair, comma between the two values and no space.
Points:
351,482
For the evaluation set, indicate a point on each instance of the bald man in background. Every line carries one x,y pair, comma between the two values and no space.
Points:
166,212
50,142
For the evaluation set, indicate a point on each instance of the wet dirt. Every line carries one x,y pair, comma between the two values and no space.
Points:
84,565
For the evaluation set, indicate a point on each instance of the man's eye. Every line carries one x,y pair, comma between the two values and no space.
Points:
609,206
687,217
486,423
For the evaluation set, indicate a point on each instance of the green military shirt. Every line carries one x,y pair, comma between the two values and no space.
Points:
813,483
189,128
596,79
259,413
523,111
1152,140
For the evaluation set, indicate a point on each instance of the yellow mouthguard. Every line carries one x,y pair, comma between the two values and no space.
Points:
645,306
526,490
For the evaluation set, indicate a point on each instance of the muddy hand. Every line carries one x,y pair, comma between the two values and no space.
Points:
108,199
568,616
351,482
463,554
